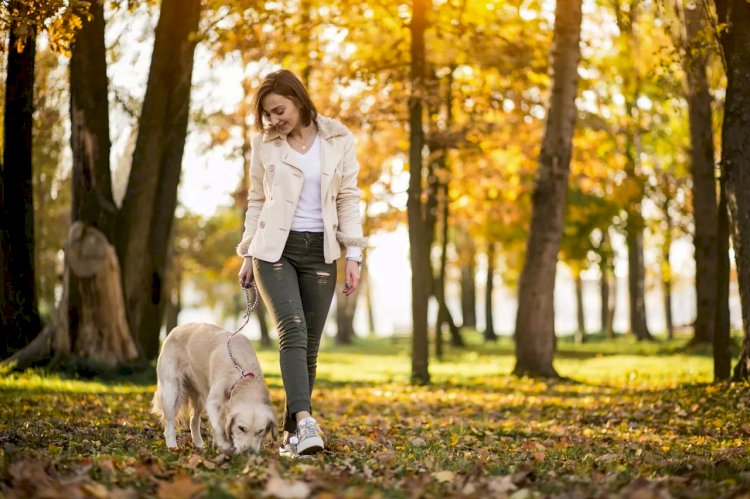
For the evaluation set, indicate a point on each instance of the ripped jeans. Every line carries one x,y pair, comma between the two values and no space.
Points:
298,290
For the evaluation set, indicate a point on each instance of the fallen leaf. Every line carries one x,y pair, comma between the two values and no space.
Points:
182,487
418,442
501,484
444,476
283,489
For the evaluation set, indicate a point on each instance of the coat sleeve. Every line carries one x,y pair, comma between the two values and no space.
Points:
349,232
255,199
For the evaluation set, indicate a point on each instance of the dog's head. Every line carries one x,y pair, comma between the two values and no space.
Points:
246,423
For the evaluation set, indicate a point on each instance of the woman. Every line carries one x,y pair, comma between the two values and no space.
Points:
303,203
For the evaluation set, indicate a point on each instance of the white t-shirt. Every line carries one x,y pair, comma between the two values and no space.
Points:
309,214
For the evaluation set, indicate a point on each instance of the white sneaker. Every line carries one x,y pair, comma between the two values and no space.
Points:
308,439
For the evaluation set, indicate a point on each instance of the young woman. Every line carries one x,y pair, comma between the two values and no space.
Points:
303,204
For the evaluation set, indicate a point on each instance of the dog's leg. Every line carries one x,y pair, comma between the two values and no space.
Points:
195,420
213,408
169,395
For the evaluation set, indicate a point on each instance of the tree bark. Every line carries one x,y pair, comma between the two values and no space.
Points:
345,308
607,302
467,257
535,321
735,152
19,315
421,274
666,273
147,212
722,330
581,329
101,329
489,316
702,160
637,276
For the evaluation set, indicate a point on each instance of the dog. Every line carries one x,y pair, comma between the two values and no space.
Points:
194,369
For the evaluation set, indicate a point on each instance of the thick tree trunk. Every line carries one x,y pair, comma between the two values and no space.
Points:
19,315
101,331
535,321
580,335
735,152
722,331
148,207
704,179
93,203
637,277
421,274
489,316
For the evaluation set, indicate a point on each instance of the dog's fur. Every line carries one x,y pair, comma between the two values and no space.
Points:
194,367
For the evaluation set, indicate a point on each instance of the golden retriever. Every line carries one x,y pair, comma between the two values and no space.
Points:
194,367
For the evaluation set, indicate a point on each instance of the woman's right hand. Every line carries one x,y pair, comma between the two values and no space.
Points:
246,272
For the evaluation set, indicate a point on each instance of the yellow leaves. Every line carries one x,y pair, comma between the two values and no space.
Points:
443,476
183,486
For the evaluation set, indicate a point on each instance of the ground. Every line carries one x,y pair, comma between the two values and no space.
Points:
631,420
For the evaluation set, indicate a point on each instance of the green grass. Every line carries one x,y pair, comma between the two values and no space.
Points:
630,418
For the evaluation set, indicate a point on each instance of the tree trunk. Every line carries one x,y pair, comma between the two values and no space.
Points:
265,337
666,272
101,329
722,331
580,335
345,308
467,257
735,152
637,277
367,283
489,319
173,308
418,245
148,207
93,203
607,304
704,180
19,315
535,322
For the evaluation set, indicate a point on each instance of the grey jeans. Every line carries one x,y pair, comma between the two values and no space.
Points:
298,290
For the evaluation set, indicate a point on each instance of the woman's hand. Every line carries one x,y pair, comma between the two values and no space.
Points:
351,273
246,272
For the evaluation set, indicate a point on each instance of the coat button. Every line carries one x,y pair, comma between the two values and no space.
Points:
262,224
335,227
277,143
333,198
271,168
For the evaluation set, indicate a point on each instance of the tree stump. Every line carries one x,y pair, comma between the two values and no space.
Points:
100,333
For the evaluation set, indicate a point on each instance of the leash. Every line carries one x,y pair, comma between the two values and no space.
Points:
249,307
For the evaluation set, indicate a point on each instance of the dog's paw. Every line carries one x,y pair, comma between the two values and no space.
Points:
199,444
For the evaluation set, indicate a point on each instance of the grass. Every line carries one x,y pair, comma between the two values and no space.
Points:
632,419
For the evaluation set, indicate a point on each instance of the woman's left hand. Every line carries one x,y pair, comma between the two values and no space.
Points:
351,273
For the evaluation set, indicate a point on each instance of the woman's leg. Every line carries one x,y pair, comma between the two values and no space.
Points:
279,288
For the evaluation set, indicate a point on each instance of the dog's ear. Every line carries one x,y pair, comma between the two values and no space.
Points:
273,428
226,422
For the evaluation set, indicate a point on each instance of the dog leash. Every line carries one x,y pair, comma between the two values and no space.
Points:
249,307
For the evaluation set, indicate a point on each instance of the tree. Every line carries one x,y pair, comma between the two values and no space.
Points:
535,329
19,315
145,219
419,249
735,42
705,209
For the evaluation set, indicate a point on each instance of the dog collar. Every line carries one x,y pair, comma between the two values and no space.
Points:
242,376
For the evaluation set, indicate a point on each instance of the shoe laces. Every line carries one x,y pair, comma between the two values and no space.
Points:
306,429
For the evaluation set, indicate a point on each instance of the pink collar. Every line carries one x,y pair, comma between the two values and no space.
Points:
243,376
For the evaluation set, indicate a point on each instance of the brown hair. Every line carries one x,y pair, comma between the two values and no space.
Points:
285,83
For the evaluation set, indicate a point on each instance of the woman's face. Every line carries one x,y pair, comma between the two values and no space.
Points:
281,112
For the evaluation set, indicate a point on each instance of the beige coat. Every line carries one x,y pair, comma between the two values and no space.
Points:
276,183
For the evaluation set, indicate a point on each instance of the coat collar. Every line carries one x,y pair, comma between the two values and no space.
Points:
328,128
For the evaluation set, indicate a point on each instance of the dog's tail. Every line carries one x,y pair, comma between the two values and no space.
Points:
181,406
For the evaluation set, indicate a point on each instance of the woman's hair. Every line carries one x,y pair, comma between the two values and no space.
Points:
285,83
